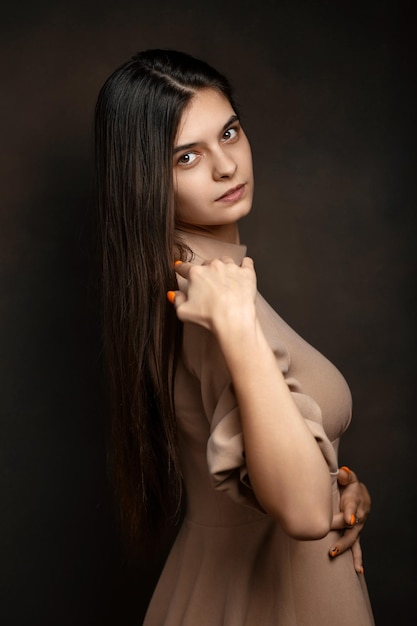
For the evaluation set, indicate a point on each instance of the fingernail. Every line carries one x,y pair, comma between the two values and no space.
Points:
352,519
361,570
334,551
177,263
345,467
171,296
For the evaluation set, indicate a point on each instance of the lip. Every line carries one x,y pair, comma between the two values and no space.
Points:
233,194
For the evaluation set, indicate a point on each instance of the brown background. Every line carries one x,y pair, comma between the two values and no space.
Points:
325,89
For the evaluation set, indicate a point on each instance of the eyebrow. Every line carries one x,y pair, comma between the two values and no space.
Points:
187,146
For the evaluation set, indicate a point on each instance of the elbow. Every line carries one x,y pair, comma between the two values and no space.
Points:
305,525
308,529
305,511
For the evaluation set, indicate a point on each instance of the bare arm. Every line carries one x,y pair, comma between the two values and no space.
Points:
286,467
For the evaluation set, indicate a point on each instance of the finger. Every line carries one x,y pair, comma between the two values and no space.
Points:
345,541
361,515
349,503
357,557
171,296
176,298
247,262
224,259
183,269
227,260
346,475
354,503
338,522
350,515
364,506
342,520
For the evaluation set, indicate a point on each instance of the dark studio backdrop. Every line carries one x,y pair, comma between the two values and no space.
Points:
325,90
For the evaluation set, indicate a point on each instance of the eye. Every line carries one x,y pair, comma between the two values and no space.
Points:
187,159
230,134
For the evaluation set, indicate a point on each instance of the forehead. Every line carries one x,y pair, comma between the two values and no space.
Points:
206,113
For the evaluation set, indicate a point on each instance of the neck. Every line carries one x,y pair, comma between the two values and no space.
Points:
223,232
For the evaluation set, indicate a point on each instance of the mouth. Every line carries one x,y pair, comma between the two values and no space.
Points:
233,194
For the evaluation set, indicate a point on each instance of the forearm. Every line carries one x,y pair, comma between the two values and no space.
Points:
287,470
288,473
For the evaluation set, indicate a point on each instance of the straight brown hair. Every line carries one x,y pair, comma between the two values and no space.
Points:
136,120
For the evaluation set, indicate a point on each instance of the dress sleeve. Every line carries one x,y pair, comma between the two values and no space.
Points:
225,446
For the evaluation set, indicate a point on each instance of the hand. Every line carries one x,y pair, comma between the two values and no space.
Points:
355,505
218,293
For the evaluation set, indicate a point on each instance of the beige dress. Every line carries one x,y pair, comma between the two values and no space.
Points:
231,564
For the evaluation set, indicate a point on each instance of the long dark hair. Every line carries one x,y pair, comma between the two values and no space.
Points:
136,120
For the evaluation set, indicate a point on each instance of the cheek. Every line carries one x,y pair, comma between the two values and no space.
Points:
187,192
184,205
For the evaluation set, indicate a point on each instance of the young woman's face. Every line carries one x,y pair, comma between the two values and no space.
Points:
213,176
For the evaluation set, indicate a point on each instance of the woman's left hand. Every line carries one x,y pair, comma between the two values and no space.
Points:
355,505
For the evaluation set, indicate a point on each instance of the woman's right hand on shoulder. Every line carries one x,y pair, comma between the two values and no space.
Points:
219,294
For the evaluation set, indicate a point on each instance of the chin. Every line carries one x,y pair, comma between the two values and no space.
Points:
245,211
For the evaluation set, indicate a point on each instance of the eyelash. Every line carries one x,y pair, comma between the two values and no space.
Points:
235,129
232,128
181,162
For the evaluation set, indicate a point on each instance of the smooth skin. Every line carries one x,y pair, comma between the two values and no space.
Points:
355,505
287,470
212,157
213,186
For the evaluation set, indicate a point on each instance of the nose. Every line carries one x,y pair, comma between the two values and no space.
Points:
224,166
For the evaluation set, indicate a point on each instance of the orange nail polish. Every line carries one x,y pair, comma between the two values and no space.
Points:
177,263
345,467
361,571
334,551
171,296
352,519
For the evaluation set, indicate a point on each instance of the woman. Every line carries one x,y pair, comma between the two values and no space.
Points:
216,393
